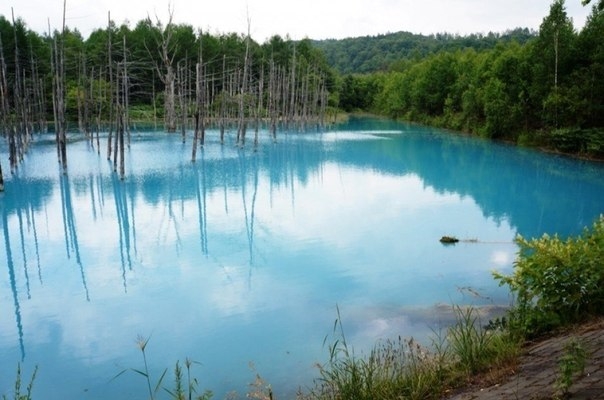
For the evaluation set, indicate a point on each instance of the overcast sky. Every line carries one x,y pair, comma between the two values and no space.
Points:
315,19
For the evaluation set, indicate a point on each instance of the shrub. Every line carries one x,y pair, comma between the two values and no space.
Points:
556,281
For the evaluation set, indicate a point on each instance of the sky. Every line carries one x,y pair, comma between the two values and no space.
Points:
296,19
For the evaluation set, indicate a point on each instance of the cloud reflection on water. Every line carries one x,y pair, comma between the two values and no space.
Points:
243,254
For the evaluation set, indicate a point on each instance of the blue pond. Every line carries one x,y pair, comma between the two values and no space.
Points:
240,260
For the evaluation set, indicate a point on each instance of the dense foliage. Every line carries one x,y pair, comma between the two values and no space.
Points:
557,281
545,92
369,54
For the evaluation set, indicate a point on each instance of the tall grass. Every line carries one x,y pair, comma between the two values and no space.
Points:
403,369
17,393
185,388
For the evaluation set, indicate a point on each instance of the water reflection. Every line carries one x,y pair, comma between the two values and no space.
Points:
245,253
201,192
70,230
13,282
123,225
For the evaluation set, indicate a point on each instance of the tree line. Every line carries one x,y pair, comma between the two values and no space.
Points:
170,75
546,92
540,88
370,54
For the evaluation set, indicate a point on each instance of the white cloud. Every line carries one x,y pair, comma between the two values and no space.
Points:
315,19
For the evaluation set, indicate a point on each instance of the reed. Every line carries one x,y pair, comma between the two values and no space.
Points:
404,369
17,395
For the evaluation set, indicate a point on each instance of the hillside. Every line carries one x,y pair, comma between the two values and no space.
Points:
377,53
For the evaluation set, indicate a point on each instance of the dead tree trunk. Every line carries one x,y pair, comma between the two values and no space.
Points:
4,107
223,100
101,99
197,113
168,76
123,112
259,107
126,94
153,96
37,93
199,104
53,70
181,79
18,118
110,89
243,92
118,116
4,103
292,104
61,95
58,67
91,105
272,100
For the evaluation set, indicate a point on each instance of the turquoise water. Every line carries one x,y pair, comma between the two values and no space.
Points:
239,260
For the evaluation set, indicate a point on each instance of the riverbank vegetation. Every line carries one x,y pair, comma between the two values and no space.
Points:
555,282
545,91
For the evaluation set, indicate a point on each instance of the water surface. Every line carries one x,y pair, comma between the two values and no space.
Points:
239,260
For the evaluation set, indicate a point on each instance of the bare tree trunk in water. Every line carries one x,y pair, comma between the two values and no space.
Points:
53,70
199,104
223,101
99,115
259,107
37,93
4,107
168,76
18,106
181,78
244,83
121,143
272,99
197,112
59,77
118,116
292,104
126,92
110,71
123,113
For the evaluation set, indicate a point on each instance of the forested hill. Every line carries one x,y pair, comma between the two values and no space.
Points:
377,53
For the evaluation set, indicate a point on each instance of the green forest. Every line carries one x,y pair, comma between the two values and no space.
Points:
540,88
544,90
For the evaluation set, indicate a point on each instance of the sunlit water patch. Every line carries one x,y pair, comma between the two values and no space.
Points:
240,259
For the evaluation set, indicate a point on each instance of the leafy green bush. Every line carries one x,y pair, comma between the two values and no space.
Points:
584,142
557,281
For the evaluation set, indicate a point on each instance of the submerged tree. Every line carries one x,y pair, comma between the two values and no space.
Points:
167,74
58,72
